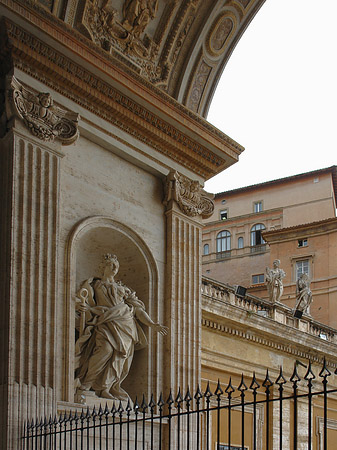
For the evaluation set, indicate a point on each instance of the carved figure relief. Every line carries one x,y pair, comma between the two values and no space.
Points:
220,35
108,321
44,120
274,281
138,13
189,195
126,34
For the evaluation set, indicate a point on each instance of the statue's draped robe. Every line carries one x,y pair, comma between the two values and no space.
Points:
275,284
105,350
304,297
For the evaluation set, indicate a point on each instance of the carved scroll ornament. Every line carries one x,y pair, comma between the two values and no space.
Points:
189,195
44,120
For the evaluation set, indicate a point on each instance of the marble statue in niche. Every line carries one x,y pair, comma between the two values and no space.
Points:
303,294
274,281
108,317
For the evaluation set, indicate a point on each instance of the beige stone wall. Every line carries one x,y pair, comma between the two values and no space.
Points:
237,341
237,270
110,205
304,200
68,206
321,254
295,202
240,264
220,365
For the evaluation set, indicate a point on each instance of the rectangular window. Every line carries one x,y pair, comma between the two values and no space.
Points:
257,206
224,214
302,267
258,279
302,243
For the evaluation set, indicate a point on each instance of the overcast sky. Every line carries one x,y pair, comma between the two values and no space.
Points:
277,96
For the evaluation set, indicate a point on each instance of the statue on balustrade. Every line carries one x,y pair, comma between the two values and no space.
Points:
108,316
274,281
303,294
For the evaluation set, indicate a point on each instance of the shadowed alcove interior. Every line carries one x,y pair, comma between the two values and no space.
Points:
97,237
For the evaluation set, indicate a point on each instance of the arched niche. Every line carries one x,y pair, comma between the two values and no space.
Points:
89,241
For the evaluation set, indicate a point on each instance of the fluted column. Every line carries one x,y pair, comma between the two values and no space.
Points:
29,226
186,203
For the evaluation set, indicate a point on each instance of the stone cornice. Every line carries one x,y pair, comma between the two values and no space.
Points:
269,214
230,320
314,356
213,152
313,228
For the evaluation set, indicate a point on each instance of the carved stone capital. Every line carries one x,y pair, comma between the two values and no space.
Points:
189,195
37,110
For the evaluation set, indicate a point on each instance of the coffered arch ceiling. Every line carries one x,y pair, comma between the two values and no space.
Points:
179,46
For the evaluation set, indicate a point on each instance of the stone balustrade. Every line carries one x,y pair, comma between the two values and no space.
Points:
278,312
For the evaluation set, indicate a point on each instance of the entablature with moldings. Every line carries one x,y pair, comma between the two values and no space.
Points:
164,126
179,46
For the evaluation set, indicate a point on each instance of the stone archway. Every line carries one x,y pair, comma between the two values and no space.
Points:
181,48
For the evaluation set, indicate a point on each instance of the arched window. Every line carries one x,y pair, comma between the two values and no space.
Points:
223,241
240,242
206,249
256,234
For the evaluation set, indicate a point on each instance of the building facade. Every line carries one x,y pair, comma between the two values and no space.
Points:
104,153
240,239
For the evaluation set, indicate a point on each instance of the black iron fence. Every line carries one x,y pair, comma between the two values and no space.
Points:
280,414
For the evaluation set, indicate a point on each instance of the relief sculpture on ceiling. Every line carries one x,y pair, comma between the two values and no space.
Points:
221,34
201,77
137,14
124,32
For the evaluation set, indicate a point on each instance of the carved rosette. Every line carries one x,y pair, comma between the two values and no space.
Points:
189,195
43,119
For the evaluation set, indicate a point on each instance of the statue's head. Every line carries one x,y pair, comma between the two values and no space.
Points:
276,263
109,264
304,277
45,99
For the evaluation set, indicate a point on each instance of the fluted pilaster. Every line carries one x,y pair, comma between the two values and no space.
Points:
30,168
186,203
31,297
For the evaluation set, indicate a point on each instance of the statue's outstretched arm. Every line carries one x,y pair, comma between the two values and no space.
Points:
143,317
